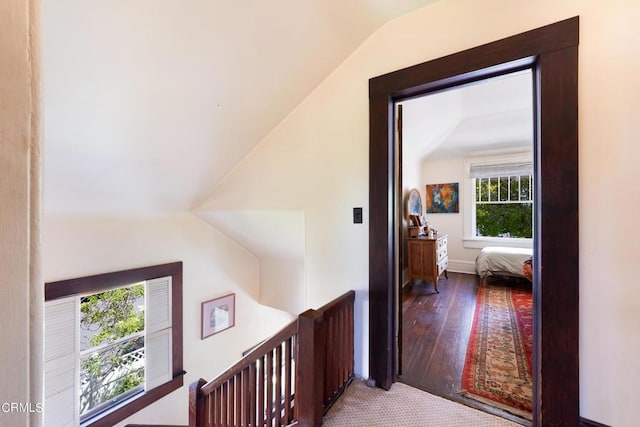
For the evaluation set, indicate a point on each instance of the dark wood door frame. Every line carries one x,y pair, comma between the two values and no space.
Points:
552,53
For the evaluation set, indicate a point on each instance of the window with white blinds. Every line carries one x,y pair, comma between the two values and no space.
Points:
61,362
503,169
108,352
158,332
499,200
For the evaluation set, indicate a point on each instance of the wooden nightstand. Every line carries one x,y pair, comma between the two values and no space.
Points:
428,258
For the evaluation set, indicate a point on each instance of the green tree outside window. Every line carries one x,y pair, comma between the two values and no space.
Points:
504,207
111,323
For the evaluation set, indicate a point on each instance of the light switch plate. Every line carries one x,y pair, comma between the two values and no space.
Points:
357,215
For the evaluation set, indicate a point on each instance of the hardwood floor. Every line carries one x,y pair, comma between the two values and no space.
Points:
435,332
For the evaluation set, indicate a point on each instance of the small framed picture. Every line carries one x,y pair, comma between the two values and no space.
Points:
218,314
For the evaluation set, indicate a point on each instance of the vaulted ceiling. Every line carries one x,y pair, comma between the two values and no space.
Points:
491,115
148,104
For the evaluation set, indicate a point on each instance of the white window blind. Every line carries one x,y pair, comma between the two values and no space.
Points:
157,325
61,362
488,170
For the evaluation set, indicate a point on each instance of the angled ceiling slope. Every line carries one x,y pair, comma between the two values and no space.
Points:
492,115
149,104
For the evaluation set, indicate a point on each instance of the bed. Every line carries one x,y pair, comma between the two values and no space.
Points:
499,261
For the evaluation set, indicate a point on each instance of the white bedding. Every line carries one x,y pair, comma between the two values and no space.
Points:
501,261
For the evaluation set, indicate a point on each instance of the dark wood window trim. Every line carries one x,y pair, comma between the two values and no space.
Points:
107,281
552,53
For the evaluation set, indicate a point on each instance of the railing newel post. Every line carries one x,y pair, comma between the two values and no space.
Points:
310,373
197,410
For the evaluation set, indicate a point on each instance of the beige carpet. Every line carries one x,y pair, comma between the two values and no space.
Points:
404,406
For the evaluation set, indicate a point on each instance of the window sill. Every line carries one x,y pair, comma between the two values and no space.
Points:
127,408
483,242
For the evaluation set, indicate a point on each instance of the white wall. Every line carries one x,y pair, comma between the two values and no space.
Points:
277,239
440,171
444,169
317,160
213,265
20,281
411,175
281,284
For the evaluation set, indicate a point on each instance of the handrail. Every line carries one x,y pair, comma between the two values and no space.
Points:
262,349
346,298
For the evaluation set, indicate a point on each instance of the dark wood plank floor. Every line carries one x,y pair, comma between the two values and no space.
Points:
435,332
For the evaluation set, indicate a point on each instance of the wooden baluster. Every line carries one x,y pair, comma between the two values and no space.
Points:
329,360
338,355
251,416
278,385
215,415
261,390
230,402
224,417
241,404
287,381
296,348
351,338
343,347
219,403
247,395
346,344
335,374
240,395
269,386
210,409
238,400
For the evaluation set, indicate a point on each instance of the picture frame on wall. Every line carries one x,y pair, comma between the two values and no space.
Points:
218,314
443,198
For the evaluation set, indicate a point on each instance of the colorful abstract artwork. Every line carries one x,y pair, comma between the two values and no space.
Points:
442,198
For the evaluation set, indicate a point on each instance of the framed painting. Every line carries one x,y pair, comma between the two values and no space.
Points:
442,198
218,314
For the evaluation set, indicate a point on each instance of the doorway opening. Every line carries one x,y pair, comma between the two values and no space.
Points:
552,53
467,157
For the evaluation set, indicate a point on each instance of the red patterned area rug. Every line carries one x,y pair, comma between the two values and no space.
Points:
498,366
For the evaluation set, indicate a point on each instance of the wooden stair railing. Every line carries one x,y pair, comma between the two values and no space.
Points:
338,373
291,379
250,393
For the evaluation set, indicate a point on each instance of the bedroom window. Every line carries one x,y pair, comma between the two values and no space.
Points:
504,206
113,344
499,208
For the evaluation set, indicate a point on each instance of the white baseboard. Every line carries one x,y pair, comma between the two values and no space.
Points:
455,266
460,266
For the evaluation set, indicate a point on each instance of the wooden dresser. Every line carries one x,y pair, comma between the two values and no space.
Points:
428,258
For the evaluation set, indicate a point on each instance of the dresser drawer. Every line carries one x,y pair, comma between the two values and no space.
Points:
442,265
442,243
442,253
